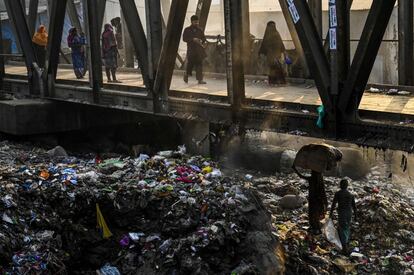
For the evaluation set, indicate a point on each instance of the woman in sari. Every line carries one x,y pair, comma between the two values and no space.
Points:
76,43
110,53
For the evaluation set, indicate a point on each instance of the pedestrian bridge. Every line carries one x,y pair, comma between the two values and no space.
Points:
385,120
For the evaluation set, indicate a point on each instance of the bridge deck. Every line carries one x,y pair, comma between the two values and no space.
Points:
292,93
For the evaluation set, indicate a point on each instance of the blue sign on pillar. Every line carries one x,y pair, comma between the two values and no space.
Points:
333,24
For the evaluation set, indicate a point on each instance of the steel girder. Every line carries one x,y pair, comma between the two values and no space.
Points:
2,68
326,43
294,35
365,55
165,7
245,10
340,55
154,35
32,18
15,12
73,15
168,55
95,50
139,40
311,43
101,13
405,42
234,53
202,11
57,20
315,7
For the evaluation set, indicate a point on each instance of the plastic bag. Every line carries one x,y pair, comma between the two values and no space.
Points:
109,270
331,234
288,61
321,116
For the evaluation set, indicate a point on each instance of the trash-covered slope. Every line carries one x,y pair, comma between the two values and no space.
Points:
165,214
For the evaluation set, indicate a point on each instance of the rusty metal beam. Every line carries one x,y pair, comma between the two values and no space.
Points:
202,11
73,15
2,68
311,43
32,17
295,37
233,17
315,7
168,54
18,18
154,35
95,48
405,42
57,15
365,55
101,13
326,43
139,40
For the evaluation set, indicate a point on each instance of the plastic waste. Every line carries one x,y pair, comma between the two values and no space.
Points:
68,175
344,265
143,157
182,150
288,61
331,234
135,237
207,170
109,270
8,201
7,219
124,242
115,162
216,173
321,116
165,246
44,175
91,175
165,154
101,224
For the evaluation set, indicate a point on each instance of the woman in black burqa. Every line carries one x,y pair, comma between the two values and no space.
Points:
272,47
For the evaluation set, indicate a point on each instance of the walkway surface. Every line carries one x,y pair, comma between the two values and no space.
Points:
295,93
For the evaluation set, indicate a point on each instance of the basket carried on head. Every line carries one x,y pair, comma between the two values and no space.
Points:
318,157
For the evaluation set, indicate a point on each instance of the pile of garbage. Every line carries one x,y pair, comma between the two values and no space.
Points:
382,240
166,214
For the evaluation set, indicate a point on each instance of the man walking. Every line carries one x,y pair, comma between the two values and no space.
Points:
346,204
195,39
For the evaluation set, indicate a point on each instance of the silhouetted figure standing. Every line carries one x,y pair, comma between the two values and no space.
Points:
195,39
346,205
317,200
110,53
272,47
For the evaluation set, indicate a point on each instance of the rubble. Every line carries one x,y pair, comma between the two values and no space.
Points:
165,214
